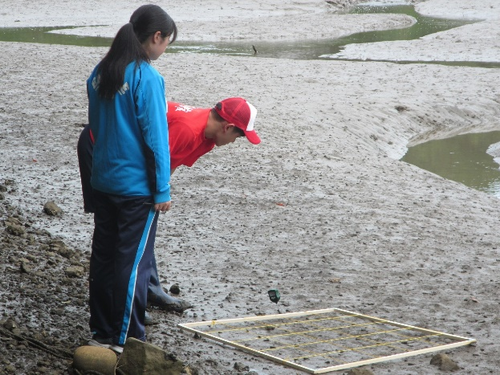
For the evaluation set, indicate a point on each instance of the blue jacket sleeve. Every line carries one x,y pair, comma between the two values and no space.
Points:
152,117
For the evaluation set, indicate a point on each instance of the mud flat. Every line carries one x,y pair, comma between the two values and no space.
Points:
322,210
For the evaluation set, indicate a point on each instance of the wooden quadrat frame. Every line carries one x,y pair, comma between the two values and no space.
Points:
327,340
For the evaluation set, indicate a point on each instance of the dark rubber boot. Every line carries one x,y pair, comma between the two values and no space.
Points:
158,297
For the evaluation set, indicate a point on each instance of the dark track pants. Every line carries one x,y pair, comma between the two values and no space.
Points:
120,265
85,149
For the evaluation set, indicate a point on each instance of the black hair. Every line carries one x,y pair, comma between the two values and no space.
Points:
216,115
127,46
219,118
239,131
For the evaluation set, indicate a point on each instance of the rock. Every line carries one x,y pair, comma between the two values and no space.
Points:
444,362
75,271
10,369
174,289
60,247
92,359
52,209
141,358
25,266
15,230
9,324
238,366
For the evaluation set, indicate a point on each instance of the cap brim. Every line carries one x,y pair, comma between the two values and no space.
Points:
252,137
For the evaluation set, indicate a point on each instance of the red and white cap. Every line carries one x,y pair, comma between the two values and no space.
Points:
242,114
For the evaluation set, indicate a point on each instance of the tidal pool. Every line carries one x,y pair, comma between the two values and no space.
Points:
307,50
462,158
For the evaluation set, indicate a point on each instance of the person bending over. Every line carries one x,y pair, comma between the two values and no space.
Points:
193,132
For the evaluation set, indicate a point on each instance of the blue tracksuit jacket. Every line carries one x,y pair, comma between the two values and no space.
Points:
131,152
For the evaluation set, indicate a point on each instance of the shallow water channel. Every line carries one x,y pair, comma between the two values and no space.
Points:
309,49
462,158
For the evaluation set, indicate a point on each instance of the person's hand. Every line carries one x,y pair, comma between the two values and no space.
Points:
163,207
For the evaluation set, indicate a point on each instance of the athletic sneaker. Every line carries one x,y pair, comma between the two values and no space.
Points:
101,343
106,344
117,348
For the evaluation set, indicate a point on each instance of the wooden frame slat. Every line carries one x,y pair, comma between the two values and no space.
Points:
195,327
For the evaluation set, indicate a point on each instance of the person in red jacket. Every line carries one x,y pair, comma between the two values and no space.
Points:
192,133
